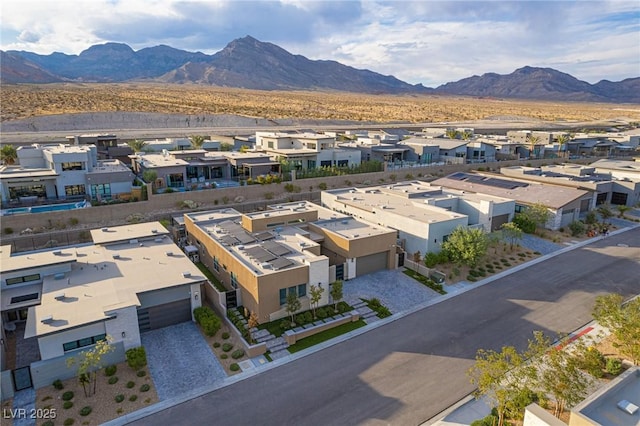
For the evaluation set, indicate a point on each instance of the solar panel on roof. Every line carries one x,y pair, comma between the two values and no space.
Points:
228,239
264,236
276,248
280,263
458,176
244,238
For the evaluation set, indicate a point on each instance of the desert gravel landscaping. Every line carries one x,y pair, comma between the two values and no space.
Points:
104,406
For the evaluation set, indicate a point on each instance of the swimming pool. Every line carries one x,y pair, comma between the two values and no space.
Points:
47,208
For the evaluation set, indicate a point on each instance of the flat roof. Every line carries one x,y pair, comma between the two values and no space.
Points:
159,160
351,228
107,235
37,260
553,196
375,200
602,407
214,215
622,165
105,278
323,212
5,251
15,172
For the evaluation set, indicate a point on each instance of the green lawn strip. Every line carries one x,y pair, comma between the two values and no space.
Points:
207,273
424,280
325,335
273,327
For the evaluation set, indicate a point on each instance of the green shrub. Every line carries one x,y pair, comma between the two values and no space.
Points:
234,367
133,397
592,361
208,320
431,260
300,319
8,230
67,404
225,335
68,422
322,186
224,356
57,384
577,228
130,384
85,411
119,398
110,370
285,324
67,396
490,420
48,423
614,366
321,313
216,344
136,357
238,353
227,347
343,307
308,317
113,380
141,373
145,388
471,278
524,223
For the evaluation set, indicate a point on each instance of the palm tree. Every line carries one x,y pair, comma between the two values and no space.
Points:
197,141
8,154
562,139
137,145
533,141
452,133
466,135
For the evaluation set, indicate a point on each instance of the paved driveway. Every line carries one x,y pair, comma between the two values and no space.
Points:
396,291
180,360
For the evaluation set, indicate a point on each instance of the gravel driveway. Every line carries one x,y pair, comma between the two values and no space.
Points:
396,291
180,360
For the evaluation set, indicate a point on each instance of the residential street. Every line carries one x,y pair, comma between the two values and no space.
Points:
406,372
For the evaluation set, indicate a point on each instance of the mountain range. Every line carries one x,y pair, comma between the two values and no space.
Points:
253,64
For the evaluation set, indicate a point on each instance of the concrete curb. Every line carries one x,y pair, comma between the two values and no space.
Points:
195,393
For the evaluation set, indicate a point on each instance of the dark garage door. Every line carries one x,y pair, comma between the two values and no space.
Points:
371,263
164,315
498,221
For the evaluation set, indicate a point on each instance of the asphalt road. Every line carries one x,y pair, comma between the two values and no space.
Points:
407,371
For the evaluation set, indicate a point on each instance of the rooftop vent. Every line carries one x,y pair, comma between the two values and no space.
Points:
105,229
266,215
59,296
116,255
345,222
169,253
186,274
57,253
266,265
154,231
240,247
47,319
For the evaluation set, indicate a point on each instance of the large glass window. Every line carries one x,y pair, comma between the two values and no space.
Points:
71,190
81,343
234,280
343,163
300,290
25,298
176,180
27,191
72,165
216,264
102,191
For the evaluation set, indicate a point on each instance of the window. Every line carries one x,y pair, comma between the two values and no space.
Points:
72,165
74,190
25,279
519,208
25,298
270,144
102,190
81,343
619,198
216,264
300,290
343,163
445,238
234,280
326,163
311,164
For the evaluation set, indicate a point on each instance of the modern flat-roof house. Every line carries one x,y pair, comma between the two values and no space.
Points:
619,169
564,203
604,186
286,248
305,150
62,172
132,278
423,215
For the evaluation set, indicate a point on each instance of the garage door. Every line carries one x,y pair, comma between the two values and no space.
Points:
164,315
498,221
371,263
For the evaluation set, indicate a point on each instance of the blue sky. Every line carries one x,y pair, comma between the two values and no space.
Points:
428,42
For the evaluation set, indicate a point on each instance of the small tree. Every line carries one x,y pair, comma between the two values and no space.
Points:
452,134
315,294
511,233
605,212
336,293
150,176
89,362
252,323
466,245
562,140
137,145
136,357
533,141
500,377
197,141
8,154
293,305
622,210
624,322
537,213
